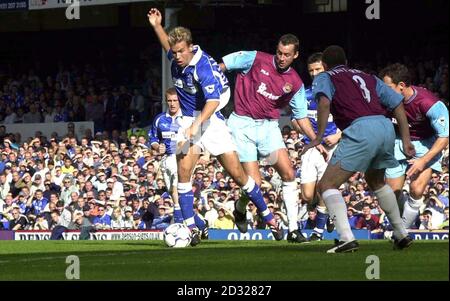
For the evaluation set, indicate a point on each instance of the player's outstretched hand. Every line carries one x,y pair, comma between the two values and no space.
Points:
323,151
192,131
417,166
332,140
154,17
312,144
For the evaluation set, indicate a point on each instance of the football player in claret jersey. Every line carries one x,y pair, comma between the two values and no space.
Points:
428,120
313,163
203,90
266,83
359,103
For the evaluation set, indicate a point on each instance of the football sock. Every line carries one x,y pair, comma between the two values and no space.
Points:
338,210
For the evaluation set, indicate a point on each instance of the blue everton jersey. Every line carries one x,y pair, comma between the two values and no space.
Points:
312,115
198,82
164,130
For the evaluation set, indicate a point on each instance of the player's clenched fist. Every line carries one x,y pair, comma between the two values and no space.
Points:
154,17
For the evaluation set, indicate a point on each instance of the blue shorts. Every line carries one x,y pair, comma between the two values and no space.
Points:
255,139
422,147
368,143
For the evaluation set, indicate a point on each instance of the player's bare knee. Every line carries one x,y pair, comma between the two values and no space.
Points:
375,184
323,186
241,178
415,193
307,198
288,176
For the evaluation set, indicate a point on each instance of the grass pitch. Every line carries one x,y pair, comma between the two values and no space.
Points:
219,260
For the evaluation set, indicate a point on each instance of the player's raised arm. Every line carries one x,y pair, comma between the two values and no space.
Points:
155,20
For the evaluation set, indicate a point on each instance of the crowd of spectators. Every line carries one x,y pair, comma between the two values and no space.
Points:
84,92
118,185
110,179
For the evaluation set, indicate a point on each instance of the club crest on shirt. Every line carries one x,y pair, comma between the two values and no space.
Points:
287,88
177,82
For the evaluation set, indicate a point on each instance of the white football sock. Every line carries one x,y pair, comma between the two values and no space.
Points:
338,210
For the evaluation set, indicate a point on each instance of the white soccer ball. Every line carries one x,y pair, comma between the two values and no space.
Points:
177,236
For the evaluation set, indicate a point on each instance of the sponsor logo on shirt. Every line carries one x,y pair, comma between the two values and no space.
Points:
264,72
168,135
262,89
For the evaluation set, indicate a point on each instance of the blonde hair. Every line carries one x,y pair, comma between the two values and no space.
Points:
180,34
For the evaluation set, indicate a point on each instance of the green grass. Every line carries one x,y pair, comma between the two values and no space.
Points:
219,260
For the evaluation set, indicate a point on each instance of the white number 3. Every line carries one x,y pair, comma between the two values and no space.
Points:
362,85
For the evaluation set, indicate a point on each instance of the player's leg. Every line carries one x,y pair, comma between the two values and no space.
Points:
328,188
360,144
170,177
185,166
416,198
309,177
375,177
283,166
397,186
244,136
387,199
231,164
177,214
313,168
252,170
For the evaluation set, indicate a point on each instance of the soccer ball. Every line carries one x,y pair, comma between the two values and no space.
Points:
177,236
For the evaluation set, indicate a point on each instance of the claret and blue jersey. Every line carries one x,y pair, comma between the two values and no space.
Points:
354,94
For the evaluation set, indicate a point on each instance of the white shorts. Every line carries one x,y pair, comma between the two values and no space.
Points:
169,171
214,135
313,165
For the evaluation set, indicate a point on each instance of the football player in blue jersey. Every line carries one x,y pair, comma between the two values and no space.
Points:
313,162
203,90
162,138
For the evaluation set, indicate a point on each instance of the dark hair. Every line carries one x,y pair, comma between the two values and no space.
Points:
290,39
334,56
314,58
398,73
429,212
